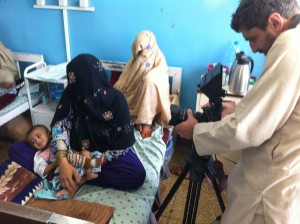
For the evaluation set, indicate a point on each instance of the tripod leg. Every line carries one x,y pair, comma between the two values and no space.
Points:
173,190
212,177
218,194
192,200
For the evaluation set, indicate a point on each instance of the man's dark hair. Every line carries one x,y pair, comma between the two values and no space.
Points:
255,13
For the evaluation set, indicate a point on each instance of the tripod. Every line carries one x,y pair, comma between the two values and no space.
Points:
198,167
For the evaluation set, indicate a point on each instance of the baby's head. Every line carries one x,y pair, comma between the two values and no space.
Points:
38,137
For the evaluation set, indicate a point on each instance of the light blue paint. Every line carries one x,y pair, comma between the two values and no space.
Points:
191,33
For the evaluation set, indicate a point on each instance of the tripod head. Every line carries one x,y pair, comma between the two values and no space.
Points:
199,164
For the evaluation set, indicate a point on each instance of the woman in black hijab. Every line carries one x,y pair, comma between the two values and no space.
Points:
94,116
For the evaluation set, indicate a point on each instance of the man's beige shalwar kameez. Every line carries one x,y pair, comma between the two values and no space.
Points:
264,187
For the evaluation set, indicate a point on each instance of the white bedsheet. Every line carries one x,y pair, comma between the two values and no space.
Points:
133,206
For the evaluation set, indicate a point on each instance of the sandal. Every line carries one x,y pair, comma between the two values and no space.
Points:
176,170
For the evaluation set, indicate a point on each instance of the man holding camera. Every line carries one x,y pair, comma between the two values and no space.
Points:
264,187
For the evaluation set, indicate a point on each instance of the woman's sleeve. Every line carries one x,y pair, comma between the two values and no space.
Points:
61,135
114,154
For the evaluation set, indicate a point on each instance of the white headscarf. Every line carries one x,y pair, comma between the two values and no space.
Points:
145,82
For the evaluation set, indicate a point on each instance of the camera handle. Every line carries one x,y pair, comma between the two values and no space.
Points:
198,166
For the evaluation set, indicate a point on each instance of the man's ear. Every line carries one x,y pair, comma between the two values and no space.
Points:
276,22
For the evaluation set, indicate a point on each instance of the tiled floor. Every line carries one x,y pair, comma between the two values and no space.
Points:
208,208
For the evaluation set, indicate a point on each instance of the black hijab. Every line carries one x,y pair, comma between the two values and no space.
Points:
101,117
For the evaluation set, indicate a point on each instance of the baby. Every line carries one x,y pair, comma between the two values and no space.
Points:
39,137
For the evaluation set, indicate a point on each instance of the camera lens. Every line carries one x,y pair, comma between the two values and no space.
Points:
177,115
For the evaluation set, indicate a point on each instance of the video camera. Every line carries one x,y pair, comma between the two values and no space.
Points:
199,166
211,86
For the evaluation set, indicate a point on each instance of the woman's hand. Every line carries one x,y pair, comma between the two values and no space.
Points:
68,175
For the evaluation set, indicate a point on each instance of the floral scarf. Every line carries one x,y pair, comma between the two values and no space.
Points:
100,114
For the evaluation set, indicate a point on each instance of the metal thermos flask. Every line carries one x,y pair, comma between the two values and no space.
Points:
240,73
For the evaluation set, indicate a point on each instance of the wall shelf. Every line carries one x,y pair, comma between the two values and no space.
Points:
90,9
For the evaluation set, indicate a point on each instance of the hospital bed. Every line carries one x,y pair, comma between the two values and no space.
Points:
26,62
131,206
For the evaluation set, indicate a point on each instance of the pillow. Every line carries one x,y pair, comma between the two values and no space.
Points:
23,154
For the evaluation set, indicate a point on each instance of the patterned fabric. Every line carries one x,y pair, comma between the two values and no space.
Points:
61,134
100,117
145,82
17,184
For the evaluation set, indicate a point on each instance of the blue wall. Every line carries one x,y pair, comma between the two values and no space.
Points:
191,33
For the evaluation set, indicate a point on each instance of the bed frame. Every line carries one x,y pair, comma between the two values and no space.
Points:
35,61
174,73
18,214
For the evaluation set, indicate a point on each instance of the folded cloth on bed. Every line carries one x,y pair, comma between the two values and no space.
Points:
6,99
10,102
48,192
7,95
133,206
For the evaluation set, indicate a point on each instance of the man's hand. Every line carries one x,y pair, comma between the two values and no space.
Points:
185,129
68,176
228,107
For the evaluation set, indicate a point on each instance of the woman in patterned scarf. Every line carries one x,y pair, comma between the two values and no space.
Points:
94,116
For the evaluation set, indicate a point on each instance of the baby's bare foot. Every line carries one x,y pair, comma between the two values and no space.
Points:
89,176
99,161
146,131
64,194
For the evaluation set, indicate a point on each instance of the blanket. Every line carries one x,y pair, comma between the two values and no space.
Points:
17,184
